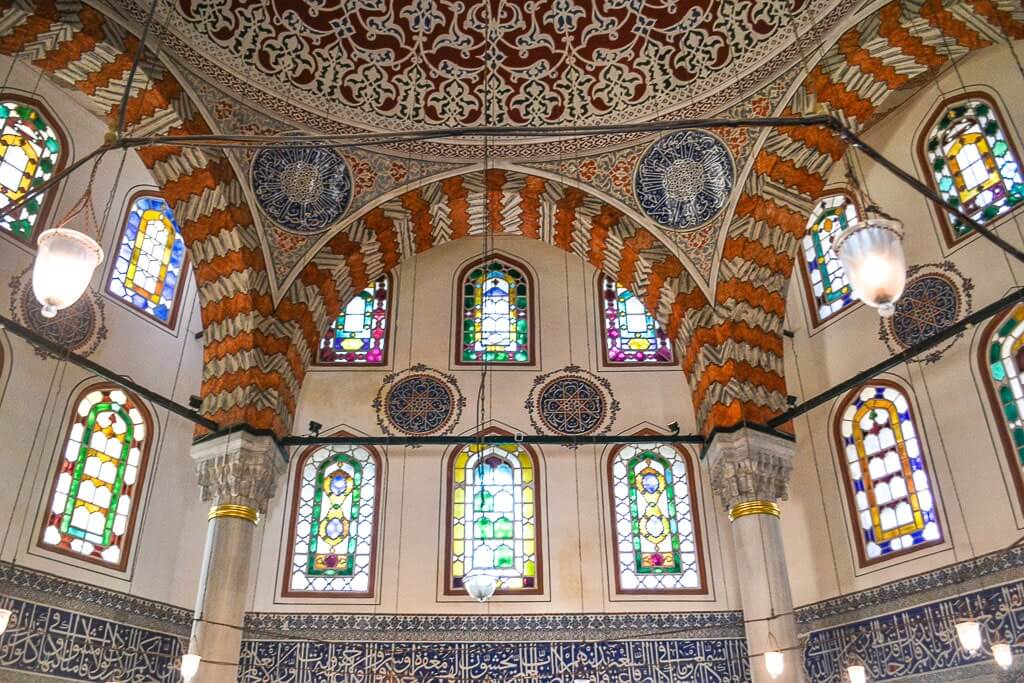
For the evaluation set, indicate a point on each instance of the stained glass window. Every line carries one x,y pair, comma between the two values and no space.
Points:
631,334
830,288
1005,363
333,522
495,313
147,270
494,516
359,334
30,152
655,530
973,164
97,486
886,472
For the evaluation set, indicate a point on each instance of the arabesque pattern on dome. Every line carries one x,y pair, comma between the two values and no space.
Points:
407,64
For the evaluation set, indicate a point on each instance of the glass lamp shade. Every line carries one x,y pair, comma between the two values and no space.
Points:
856,673
969,633
190,666
480,586
5,619
871,252
1003,654
65,261
774,662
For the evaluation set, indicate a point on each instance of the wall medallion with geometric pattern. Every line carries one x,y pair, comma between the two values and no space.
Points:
571,401
936,296
80,327
418,401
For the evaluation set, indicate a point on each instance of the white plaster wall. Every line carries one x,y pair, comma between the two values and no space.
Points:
980,510
575,517
36,394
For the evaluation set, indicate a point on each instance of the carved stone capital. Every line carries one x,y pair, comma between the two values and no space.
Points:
748,465
238,469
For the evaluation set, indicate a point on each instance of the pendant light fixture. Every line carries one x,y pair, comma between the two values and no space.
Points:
856,673
774,661
190,666
480,585
871,251
5,619
969,634
1003,654
67,255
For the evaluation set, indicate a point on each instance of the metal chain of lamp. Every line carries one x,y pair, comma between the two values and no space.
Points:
871,251
67,255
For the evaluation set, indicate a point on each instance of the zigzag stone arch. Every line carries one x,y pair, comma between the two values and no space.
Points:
83,50
886,49
498,201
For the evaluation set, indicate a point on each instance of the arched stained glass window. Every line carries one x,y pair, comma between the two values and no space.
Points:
884,464
147,271
972,163
631,334
830,290
493,517
30,153
1002,360
359,335
496,313
655,520
98,483
334,521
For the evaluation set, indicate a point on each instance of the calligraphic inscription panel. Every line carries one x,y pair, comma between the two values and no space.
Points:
77,647
651,661
921,640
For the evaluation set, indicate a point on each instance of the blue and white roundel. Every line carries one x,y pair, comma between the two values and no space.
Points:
684,179
302,189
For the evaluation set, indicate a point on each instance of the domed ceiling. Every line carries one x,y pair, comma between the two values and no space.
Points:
392,65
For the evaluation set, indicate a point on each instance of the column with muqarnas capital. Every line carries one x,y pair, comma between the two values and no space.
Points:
237,473
750,473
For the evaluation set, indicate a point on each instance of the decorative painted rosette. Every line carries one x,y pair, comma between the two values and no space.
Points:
936,296
571,401
418,401
80,327
684,179
302,189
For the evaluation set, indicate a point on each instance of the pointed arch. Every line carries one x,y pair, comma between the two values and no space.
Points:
497,313
894,509
1001,361
493,517
335,520
96,488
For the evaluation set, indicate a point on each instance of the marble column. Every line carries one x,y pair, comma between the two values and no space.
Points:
750,474
237,473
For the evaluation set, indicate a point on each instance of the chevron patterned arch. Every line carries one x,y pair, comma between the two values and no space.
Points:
498,201
82,50
737,348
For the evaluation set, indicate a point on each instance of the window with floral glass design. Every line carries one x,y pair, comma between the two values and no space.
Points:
147,271
31,151
972,163
359,335
97,488
631,335
1002,361
333,529
496,313
891,494
654,520
830,290
493,517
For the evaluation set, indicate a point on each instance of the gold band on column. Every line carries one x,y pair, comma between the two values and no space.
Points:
753,507
238,511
